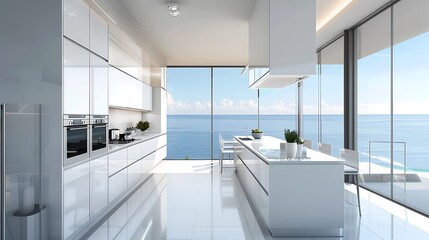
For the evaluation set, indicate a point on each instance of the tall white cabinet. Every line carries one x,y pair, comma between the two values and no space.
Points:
76,21
76,79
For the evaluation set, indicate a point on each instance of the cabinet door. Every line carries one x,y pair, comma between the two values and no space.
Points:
117,161
134,153
147,97
76,21
118,88
98,179
135,93
98,35
134,173
76,198
99,73
118,184
76,79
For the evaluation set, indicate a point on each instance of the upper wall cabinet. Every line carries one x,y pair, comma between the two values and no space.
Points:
282,42
76,21
85,27
127,92
76,79
98,35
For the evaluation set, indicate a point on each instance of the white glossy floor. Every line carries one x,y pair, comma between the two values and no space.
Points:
194,201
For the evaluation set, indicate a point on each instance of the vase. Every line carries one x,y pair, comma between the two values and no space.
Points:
291,150
257,135
299,150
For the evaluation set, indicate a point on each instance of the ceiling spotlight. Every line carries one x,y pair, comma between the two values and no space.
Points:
173,9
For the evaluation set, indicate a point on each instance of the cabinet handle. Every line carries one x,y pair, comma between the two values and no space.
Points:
74,129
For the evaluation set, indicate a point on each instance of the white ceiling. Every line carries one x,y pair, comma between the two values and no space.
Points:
215,32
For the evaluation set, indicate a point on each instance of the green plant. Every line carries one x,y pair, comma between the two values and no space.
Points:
291,136
257,130
187,158
143,126
300,140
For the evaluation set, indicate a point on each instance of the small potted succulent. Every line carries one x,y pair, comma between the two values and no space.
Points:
291,137
257,133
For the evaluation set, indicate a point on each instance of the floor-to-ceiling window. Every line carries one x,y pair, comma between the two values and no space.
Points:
203,103
332,95
235,106
311,109
411,103
189,113
277,110
393,120
373,54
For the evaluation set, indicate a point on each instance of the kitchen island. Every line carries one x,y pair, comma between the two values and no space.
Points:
294,197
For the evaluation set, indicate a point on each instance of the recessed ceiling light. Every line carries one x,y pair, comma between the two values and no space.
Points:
173,9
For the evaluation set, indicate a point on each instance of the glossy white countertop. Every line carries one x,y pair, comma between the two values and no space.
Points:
138,139
268,150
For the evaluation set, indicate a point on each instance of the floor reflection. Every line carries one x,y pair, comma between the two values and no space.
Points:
192,200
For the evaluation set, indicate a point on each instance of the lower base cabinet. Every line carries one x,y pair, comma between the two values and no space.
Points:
76,198
98,184
118,184
90,187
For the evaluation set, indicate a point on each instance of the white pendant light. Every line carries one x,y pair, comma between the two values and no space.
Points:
173,8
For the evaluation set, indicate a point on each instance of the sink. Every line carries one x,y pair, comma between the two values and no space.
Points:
245,138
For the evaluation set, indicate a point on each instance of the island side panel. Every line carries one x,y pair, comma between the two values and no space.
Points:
306,200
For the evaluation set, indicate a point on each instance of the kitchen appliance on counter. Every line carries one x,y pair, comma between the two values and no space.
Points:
98,134
76,138
113,134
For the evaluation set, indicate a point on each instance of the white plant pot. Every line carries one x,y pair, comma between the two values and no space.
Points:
299,150
291,150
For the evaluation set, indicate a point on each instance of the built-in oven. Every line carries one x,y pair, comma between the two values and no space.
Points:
76,138
98,134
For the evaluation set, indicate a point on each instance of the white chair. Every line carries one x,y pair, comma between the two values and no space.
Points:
351,167
307,144
324,148
225,147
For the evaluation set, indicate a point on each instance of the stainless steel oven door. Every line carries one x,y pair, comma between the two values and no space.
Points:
76,143
99,138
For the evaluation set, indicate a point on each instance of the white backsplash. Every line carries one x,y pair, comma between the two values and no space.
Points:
121,119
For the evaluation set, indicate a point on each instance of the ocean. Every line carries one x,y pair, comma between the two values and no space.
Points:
189,136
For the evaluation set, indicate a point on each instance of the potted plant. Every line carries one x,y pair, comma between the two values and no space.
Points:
257,133
291,136
300,142
143,126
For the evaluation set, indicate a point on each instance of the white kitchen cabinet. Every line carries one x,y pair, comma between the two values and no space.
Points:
98,184
118,184
98,35
76,198
76,79
118,160
76,21
134,173
118,89
146,97
148,164
135,92
99,88
124,90
134,153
